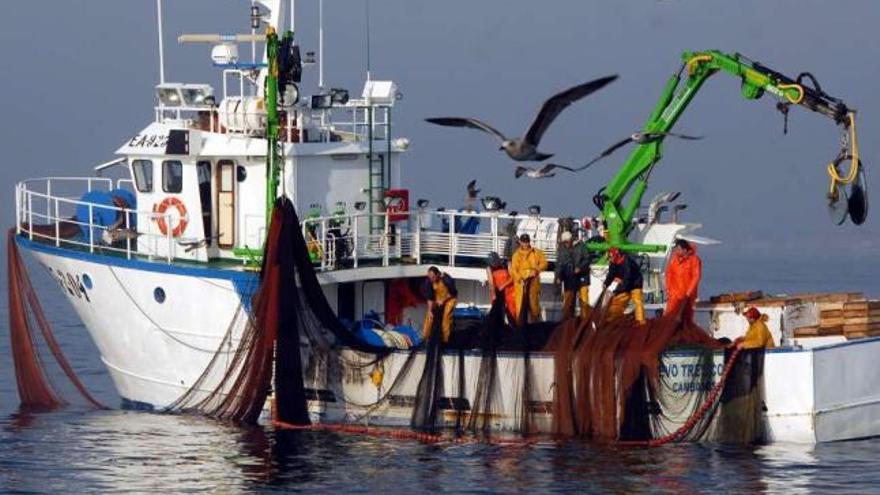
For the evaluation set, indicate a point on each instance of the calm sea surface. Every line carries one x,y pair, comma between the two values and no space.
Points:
78,450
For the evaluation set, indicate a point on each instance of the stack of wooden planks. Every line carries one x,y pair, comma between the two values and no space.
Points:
861,319
847,314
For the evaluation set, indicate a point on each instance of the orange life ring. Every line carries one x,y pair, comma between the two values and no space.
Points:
162,207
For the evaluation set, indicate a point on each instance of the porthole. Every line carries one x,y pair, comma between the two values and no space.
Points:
87,281
159,295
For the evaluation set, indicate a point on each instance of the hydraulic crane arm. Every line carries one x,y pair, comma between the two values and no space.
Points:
621,198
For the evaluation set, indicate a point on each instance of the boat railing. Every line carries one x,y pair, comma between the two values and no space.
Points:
45,214
356,121
421,236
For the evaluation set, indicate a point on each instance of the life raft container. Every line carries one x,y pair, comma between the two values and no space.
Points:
160,210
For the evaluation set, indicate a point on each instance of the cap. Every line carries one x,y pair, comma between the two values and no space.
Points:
752,313
566,236
525,238
586,223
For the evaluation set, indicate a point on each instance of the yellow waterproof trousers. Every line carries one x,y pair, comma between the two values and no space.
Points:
445,325
532,300
583,297
620,302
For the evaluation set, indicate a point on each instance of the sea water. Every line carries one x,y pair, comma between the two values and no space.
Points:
76,449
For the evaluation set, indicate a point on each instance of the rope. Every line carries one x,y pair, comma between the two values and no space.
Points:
691,64
854,161
798,87
696,417
159,327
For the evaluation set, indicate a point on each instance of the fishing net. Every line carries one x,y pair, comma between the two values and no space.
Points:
609,379
290,315
35,389
619,380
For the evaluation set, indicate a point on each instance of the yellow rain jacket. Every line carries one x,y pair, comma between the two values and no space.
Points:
758,335
526,263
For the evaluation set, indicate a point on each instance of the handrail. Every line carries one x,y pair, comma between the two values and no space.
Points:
61,210
337,241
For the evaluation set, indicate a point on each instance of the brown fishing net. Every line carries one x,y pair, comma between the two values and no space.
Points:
611,383
290,315
34,386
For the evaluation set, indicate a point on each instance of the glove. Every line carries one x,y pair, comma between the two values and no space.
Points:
612,287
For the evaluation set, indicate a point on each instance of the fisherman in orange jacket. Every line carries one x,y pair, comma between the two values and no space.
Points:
683,274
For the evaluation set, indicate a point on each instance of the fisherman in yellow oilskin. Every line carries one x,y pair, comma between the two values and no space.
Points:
625,281
439,289
758,336
526,266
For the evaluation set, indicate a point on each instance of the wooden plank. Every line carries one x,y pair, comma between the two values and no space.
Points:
835,330
862,306
831,322
857,313
806,331
860,335
860,328
860,319
833,313
831,297
732,297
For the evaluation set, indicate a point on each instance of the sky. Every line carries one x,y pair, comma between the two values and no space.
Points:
80,76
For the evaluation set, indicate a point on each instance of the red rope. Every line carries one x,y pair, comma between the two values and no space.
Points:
696,417
401,434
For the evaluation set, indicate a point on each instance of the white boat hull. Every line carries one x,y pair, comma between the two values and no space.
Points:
155,351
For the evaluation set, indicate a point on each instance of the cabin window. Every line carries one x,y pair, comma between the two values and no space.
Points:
172,176
203,171
143,175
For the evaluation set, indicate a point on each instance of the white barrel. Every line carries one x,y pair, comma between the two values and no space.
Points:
243,114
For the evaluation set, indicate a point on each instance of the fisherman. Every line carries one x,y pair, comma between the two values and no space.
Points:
758,336
526,266
625,281
683,280
573,272
500,281
439,289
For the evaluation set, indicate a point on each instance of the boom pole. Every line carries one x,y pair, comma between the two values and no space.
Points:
621,198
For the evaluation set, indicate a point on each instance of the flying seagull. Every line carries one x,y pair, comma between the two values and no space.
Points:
472,190
638,138
526,148
544,172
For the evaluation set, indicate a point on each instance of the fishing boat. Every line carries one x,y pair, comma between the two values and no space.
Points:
161,261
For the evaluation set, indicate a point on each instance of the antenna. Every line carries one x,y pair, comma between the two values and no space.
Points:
255,15
161,46
367,3
320,44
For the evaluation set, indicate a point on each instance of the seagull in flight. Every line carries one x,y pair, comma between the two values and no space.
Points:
524,149
638,138
544,172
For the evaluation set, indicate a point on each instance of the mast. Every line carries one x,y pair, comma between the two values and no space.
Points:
161,44
273,124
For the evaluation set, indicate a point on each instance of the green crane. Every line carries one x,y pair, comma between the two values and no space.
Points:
621,198
273,123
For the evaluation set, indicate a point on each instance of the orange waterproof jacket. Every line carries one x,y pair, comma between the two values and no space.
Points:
683,276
